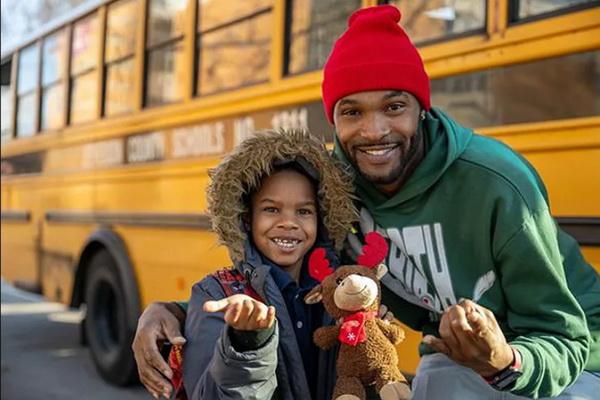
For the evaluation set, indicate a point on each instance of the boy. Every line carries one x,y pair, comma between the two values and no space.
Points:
272,200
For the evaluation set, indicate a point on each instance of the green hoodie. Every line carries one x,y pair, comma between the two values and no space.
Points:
473,222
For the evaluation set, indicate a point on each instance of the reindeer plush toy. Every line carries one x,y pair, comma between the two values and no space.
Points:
351,294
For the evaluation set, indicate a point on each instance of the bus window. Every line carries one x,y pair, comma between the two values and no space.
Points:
550,89
84,73
234,49
27,83
523,9
121,29
426,20
6,106
53,86
165,55
166,20
314,26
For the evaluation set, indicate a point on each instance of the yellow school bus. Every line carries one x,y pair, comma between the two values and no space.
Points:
112,116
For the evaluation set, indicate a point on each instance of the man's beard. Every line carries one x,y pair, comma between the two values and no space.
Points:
401,169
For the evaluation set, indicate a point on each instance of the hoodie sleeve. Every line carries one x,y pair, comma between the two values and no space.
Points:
213,369
549,325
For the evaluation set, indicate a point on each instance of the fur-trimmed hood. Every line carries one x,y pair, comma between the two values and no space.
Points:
241,171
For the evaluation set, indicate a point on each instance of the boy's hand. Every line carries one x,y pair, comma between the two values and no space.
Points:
243,313
158,323
471,336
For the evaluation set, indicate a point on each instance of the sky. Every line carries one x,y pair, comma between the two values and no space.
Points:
20,18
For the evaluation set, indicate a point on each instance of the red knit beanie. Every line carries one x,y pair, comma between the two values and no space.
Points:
373,54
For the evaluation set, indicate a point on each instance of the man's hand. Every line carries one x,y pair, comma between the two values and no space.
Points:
385,314
243,313
470,336
160,322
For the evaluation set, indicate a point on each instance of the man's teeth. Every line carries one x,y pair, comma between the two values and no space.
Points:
287,243
378,151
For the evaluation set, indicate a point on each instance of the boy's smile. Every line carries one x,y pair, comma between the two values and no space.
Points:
286,244
284,219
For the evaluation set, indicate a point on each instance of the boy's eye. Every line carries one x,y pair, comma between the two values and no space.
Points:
305,211
270,209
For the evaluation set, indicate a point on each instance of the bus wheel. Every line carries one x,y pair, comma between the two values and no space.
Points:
106,327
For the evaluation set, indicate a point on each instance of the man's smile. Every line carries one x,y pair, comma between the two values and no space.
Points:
377,149
377,154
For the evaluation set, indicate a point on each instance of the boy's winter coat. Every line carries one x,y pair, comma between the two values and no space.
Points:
213,369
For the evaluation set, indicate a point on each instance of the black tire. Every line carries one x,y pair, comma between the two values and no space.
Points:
107,328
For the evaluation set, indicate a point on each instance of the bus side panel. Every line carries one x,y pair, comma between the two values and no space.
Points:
19,254
568,160
168,262
20,237
62,245
592,255
572,177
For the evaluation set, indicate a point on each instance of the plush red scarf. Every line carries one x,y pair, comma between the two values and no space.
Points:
352,331
176,363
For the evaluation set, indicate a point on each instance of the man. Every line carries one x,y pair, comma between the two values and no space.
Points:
506,303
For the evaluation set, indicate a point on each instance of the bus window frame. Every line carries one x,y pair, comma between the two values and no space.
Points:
227,24
443,59
486,51
505,76
147,51
133,56
12,59
100,14
36,91
287,39
453,36
183,37
64,79
140,57
514,19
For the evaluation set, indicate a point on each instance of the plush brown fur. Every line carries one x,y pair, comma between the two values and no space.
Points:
374,361
241,172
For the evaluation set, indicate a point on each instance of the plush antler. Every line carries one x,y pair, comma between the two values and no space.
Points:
374,251
318,264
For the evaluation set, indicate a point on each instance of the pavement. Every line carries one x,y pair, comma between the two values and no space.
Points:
42,357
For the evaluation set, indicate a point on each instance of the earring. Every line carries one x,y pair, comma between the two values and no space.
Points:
422,115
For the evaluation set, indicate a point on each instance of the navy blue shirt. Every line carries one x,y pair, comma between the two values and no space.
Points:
305,318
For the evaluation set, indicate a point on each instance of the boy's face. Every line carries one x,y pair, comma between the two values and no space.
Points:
284,218
378,132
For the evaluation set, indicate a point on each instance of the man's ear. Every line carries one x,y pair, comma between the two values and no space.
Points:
315,295
382,269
